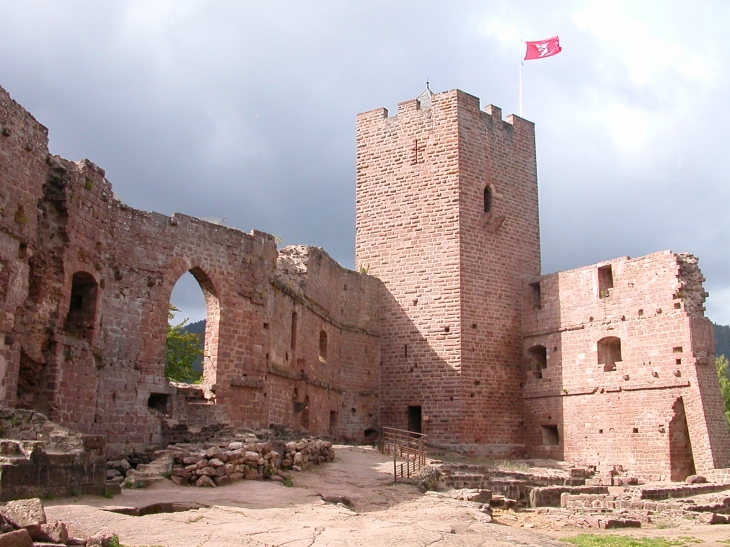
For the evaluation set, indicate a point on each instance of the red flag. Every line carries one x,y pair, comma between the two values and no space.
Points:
543,48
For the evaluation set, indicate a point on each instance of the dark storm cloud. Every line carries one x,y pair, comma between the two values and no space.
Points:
245,110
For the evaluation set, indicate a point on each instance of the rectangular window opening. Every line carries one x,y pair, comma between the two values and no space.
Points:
605,281
535,296
550,435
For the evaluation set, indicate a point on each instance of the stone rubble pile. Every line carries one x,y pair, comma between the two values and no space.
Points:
220,465
226,462
23,524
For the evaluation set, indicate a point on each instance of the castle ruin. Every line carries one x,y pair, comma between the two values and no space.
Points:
453,333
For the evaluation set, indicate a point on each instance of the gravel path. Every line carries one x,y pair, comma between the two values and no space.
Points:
253,513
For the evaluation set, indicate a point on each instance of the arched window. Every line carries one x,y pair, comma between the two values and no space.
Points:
195,293
609,352
487,199
82,307
323,345
537,359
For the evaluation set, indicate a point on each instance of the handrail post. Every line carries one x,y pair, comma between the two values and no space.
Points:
395,470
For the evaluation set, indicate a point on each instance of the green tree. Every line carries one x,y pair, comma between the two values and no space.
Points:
183,349
721,364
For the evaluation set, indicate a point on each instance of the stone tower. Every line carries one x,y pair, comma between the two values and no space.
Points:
447,218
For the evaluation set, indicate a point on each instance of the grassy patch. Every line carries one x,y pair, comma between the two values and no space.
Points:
594,540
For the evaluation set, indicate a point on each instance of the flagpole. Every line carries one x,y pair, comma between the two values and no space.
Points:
521,49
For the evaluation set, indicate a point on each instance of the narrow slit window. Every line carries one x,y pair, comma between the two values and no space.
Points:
487,199
323,345
293,331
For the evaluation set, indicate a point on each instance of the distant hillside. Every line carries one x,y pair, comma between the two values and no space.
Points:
722,340
197,328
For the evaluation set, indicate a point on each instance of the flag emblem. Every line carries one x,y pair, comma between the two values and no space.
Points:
542,48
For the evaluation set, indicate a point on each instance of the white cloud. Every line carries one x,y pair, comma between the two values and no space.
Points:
718,306
645,40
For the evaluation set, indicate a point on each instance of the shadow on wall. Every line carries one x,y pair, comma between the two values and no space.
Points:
419,390
544,392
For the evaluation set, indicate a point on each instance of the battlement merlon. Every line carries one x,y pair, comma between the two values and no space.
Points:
445,100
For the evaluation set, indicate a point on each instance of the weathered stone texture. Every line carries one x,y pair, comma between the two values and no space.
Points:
45,460
454,332
452,272
85,282
657,409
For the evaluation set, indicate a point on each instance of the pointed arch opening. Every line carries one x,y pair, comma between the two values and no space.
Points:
197,323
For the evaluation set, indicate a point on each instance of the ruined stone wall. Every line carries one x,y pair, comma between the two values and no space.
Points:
451,271
86,310
655,408
324,359
23,150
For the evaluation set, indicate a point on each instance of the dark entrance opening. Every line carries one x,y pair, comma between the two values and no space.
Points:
414,419
160,402
681,461
82,307
333,422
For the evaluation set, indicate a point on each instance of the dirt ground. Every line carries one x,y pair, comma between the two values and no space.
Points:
268,514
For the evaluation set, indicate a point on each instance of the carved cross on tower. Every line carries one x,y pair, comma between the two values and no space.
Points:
416,149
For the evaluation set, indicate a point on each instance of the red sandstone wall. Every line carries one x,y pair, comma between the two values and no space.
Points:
407,236
498,249
23,151
452,276
93,366
629,416
336,394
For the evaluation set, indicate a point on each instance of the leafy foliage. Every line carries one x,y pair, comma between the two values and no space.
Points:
721,364
183,349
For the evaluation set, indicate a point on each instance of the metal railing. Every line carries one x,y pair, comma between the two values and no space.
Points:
404,445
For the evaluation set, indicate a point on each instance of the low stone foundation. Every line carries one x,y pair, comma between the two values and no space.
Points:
39,458
608,502
514,485
550,496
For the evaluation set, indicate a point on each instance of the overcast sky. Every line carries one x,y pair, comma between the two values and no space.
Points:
246,110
